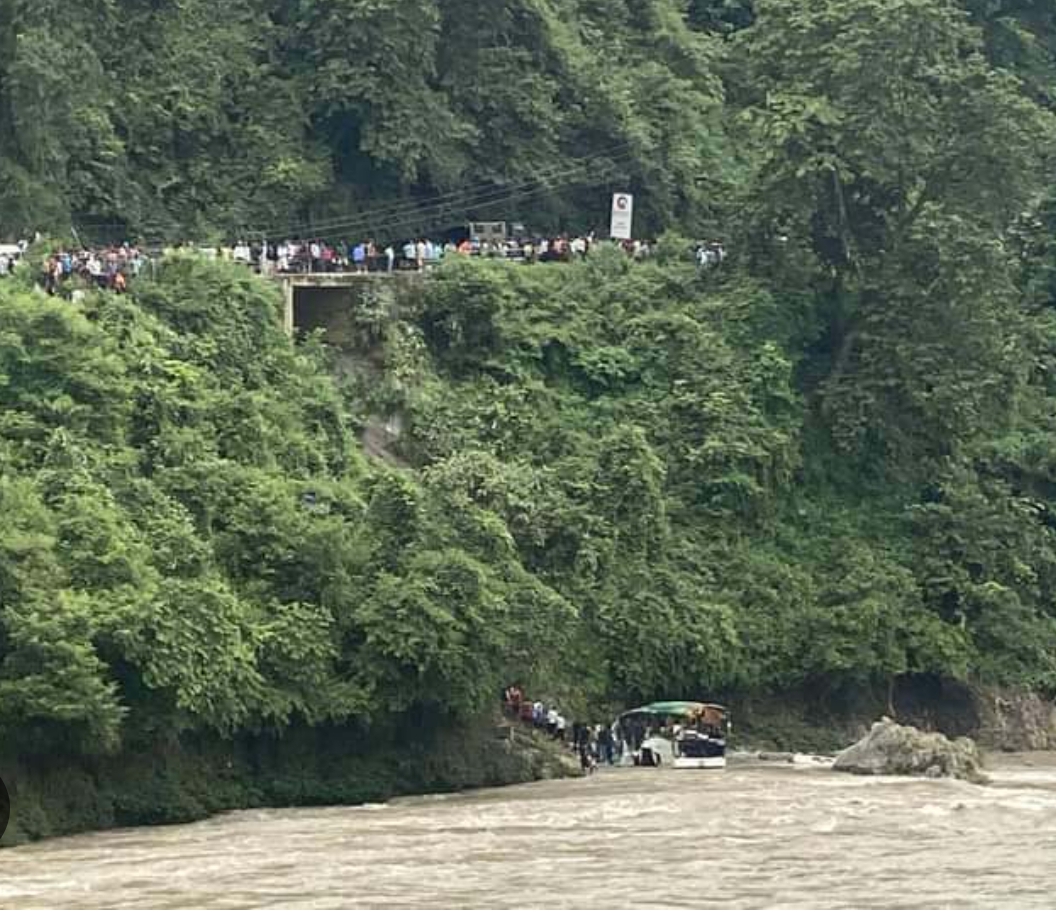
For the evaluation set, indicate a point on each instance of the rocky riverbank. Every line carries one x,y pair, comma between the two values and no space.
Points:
813,721
195,776
198,776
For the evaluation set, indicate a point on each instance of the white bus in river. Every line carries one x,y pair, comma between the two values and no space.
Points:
682,734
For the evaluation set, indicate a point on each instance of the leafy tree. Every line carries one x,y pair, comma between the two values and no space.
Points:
828,463
890,143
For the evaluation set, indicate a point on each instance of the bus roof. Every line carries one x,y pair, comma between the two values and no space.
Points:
674,708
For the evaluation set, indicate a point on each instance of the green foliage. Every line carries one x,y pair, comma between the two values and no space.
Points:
829,462
192,539
895,157
639,433
295,111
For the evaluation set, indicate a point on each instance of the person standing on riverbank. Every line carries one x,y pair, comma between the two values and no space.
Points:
587,763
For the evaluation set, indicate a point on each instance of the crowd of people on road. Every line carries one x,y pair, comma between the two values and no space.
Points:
112,267
419,254
414,254
107,268
594,744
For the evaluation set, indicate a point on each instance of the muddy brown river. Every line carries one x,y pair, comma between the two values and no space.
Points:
756,835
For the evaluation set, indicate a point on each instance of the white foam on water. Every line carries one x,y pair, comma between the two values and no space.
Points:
937,810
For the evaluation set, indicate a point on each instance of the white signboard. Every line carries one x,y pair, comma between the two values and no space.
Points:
622,216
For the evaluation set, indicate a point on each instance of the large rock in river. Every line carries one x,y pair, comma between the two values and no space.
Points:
901,750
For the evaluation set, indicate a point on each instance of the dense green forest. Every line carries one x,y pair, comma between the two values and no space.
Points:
829,463
166,121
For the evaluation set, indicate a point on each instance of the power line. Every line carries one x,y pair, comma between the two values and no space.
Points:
482,187
424,223
426,218
430,217
412,212
460,199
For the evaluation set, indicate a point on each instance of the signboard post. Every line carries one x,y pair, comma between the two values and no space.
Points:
622,216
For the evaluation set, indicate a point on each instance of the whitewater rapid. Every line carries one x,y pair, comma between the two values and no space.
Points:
756,835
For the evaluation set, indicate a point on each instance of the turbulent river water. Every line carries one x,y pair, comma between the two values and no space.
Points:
753,836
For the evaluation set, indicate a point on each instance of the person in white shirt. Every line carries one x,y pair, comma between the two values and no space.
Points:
551,721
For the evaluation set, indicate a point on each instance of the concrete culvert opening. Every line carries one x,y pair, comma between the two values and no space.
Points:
329,309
